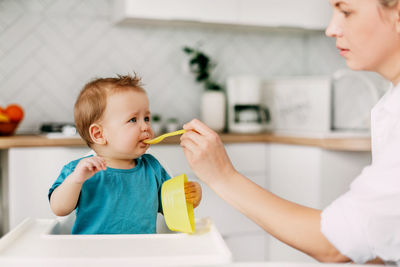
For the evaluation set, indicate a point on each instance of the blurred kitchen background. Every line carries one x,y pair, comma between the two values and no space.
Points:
50,48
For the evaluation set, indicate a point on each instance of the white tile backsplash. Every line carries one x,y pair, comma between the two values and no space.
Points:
50,48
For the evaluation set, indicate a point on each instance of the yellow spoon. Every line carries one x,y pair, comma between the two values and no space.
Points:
161,137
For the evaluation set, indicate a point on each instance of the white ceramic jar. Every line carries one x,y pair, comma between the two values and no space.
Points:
213,105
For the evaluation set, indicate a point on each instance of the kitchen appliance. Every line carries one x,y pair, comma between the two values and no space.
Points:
322,104
245,111
354,95
58,129
299,104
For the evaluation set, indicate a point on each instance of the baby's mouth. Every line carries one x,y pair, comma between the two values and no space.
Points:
142,140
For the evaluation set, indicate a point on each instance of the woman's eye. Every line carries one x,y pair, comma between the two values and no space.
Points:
146,118
346,13
132,120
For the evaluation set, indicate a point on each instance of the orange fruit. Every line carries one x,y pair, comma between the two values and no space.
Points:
14,112
4,118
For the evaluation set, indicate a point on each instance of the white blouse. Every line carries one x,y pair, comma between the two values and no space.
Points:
364,223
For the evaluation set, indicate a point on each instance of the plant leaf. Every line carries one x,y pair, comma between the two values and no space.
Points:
188,50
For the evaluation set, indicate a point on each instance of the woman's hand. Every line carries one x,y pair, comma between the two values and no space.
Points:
206,153
193,193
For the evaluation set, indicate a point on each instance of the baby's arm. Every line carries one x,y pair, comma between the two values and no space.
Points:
193,193
65,197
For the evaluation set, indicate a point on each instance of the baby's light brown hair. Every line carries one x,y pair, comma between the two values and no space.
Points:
92,100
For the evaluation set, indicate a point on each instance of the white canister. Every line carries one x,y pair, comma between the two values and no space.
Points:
213,109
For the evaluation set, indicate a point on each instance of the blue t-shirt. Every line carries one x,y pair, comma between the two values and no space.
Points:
118,201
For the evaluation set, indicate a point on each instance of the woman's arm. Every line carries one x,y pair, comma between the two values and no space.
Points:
295,225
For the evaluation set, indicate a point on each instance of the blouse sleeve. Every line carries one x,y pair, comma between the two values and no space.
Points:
364,222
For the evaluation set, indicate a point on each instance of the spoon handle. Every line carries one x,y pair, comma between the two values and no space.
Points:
174,133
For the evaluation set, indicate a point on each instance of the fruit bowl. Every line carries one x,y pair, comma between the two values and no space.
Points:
10,117
8,128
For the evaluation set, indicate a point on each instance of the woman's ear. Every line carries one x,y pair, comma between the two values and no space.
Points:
397,10
96,134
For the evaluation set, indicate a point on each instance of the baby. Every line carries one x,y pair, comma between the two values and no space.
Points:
117,191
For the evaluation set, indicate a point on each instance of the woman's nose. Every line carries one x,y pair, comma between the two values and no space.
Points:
333,29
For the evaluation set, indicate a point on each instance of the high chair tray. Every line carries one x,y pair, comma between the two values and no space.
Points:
43,242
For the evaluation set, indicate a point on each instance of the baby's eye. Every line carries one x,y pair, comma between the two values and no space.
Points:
146,118
133,119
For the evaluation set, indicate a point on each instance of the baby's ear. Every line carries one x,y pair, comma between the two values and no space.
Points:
96,134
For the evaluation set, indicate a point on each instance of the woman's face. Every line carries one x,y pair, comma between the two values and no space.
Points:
366,33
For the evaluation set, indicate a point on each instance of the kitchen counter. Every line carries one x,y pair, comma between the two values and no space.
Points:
331,141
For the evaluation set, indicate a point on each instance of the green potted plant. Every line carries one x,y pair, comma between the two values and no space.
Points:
213,100
156,124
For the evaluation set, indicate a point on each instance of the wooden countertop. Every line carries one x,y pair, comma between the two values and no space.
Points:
344,142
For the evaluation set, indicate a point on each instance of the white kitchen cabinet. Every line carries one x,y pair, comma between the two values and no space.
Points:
29,174
307,175
312,177
247,158
248,247
310,14
307,14
246,240
212,11
31,171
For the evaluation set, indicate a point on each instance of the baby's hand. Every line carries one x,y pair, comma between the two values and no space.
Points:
193,193
87,167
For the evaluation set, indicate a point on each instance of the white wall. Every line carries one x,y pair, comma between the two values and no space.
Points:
50,49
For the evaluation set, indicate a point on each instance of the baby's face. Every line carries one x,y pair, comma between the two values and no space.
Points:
126,123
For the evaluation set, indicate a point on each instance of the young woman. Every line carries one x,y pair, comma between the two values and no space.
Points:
363,224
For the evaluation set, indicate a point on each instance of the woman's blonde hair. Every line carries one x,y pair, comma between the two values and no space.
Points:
388,3
92,100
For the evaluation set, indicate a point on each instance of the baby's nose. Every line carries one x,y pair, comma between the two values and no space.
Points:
145,126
